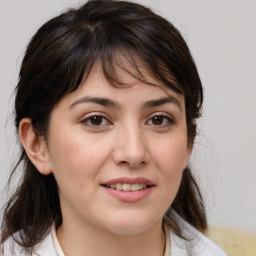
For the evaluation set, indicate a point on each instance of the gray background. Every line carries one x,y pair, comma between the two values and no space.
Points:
221,35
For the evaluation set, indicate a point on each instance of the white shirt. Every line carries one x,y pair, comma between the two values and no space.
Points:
196,244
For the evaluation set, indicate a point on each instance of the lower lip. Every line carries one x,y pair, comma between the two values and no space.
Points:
129,196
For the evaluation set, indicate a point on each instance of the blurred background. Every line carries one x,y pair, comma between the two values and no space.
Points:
222,38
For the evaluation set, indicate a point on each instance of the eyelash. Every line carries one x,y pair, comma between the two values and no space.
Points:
88,120
168,121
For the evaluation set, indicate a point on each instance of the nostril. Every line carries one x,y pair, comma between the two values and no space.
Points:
130,154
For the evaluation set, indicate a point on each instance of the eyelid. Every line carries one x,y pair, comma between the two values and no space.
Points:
87,117
169,117
160,113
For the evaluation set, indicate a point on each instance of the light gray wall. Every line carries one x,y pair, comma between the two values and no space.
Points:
222,38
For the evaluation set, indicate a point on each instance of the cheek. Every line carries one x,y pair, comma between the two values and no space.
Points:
76,160
171,155
170,159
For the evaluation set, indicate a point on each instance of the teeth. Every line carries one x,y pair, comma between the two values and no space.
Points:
119,186
127,187
135,187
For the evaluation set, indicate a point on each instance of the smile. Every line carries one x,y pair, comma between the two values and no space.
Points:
127,187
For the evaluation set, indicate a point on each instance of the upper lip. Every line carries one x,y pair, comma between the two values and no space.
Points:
129,180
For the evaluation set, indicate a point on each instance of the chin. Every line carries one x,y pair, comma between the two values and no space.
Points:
130,225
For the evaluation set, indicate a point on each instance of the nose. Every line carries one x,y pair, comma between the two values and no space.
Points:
131,147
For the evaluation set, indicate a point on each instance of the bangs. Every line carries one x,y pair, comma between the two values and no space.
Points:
115,61
64,50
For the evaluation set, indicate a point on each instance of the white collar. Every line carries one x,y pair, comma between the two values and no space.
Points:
60,252
56,241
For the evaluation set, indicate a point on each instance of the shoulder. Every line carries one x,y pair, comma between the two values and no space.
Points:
44,248
197,244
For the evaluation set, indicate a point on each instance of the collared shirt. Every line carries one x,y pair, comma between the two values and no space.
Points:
196,243
60,252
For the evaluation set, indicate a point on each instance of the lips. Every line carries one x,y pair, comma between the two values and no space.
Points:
129,189
127,180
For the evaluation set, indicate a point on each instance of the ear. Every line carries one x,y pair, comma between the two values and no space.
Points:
191,137
187,156
35,147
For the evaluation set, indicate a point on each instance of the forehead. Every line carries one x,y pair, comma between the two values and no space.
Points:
129,90
119,66
124,71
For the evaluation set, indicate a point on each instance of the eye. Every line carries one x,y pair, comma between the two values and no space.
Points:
96,120
161,120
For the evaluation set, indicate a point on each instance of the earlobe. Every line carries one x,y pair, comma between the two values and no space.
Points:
34,146
187,157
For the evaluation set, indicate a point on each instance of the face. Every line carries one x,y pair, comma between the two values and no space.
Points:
118,153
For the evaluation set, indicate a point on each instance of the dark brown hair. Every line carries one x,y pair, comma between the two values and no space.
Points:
59,56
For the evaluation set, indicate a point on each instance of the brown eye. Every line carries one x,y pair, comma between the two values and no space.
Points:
157,120
96,120
161,121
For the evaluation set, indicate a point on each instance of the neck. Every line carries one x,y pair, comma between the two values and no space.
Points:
95,241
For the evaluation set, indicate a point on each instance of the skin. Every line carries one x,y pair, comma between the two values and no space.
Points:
133,138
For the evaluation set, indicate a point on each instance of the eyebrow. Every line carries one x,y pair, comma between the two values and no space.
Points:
110,103
101,101
162,101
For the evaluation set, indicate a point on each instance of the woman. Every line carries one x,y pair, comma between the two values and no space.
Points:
106,108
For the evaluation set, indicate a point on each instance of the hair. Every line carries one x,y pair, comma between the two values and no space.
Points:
58,58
